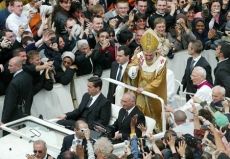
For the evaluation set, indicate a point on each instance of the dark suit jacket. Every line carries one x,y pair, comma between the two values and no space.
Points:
18,99
222,75
112,87
99,111
5,78
186,80
124,127
67,143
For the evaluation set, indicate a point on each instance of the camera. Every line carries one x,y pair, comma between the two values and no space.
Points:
82,130
204,127
53,40
5,43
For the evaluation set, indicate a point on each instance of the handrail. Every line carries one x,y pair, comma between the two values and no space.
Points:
152,95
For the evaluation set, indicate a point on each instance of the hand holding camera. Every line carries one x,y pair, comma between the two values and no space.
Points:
6,43
75,31
28,156
21,29
113,23
105,43
215,12
86,133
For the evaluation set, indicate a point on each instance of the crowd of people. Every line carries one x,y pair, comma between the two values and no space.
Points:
48,42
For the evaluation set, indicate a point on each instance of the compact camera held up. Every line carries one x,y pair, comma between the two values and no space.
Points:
5,43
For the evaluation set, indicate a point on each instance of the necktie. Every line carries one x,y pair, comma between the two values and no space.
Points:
192,65
89,102
119,73
125,116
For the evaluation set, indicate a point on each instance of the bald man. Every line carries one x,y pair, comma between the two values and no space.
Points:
121,127
181,125
18,99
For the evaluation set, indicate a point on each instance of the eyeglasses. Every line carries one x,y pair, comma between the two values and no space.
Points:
37,151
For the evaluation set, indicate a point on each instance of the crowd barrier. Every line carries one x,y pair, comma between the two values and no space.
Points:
51,104
1,105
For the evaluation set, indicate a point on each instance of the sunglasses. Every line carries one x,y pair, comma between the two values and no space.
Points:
37,151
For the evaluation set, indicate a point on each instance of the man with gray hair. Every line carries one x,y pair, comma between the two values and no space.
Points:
180,123
219,101
40,150
204,88
129,111
103,147
218,96
84,59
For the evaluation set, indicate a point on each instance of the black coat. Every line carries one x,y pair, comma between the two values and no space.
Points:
123,126
64,77
222,75
67,143
39,80
112,87
99,111
186,80
86,65
5,78
19,97
59,18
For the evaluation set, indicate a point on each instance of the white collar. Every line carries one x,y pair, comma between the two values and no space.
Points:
162,14
17,72
130,110
197,58
124,65
76,138
45,156
16,14
223,60
94,98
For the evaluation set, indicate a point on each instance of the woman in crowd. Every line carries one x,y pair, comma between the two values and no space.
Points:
65,74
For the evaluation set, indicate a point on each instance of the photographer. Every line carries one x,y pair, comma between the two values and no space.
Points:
39,71
104,50
73,32
183,34
80,138
7,44
49,49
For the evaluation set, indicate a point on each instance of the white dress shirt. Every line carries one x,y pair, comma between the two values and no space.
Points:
14,21
94,98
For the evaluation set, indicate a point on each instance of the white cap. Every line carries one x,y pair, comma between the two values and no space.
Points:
68,54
